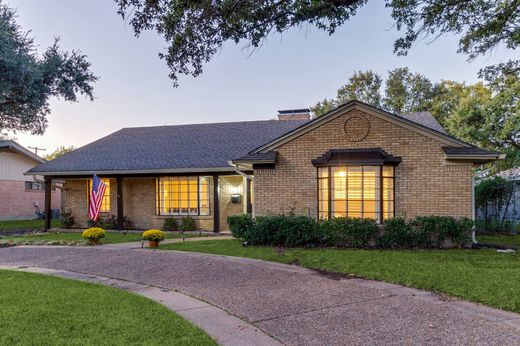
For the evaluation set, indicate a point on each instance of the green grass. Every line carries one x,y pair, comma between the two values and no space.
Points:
25,224
483,276
500,239
44,310
111,237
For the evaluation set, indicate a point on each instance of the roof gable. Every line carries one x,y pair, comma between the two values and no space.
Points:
371,110
17,148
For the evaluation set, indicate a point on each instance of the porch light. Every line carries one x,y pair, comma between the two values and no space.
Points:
236,198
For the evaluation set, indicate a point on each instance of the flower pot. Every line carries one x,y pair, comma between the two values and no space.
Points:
153,244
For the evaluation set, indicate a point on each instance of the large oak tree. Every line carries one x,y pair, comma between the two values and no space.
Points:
29,80
196,30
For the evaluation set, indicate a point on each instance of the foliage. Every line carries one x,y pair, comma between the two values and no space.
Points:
28,81
482,26
492,198
188,224
59,152
294,231
196,30
46,310
154,235
475,275
67,219
93,234
348,232
111,222
404,91
397,234
239,225
170,225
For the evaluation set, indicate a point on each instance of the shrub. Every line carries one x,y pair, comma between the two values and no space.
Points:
188,224
110,222
239,225
283,231
170,225
67,220
93,234
154,235
461,235
396,233
349,232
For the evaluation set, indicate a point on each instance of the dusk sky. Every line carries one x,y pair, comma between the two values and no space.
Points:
293,70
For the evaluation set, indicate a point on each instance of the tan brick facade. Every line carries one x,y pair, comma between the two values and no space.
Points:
139,199
425,184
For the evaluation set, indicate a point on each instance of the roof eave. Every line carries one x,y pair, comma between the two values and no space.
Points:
133,172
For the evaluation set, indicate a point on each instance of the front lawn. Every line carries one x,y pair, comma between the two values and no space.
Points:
26,224
111,237
44,310
500,239
483,276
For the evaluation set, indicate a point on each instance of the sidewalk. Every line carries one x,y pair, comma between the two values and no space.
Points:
144,243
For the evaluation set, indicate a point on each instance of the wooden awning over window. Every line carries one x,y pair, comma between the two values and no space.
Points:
345,157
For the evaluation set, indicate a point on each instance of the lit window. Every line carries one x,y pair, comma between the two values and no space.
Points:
182,196
356,191
105,204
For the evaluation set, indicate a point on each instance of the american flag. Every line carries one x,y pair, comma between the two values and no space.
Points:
96,197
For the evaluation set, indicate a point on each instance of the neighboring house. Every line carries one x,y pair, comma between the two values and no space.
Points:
356,160
19,194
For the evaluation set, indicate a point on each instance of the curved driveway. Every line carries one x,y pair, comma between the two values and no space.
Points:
295,305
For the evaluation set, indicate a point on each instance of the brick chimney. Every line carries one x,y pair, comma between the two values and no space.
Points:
294,114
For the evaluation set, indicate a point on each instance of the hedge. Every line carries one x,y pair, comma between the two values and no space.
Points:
293,231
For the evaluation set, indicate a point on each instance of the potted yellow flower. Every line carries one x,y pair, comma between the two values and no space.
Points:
154,236
93,235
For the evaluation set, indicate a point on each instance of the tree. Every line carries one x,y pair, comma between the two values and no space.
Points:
364,86
196,30
404,92
59,152
485,115
28,81
482,24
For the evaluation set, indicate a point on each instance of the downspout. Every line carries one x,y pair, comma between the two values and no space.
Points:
473,211
237,169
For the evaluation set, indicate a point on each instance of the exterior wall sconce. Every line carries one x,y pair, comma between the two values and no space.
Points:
236,198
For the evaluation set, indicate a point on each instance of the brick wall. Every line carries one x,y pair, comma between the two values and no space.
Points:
16,202
425,183
139,202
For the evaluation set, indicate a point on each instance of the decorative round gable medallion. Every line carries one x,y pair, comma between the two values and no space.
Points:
356,127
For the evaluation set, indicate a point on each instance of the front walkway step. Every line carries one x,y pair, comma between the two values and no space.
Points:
225,328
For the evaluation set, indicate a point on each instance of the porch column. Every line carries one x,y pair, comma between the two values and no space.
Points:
119,188
216,209
48,187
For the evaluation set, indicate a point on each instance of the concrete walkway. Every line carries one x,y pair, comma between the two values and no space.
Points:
296,306
143,244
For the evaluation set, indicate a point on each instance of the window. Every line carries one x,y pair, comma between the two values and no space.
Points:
356,191
105,204
182,196
35,186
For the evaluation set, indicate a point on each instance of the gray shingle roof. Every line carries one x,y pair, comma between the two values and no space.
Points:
170,147
12,145
467,151
424,118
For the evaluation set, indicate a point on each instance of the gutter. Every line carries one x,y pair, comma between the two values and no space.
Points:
237,169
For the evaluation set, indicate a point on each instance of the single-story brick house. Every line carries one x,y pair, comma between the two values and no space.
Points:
20,194
356,160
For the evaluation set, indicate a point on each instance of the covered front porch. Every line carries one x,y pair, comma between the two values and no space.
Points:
146,201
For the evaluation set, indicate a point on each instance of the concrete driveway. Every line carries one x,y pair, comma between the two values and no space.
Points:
295,305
